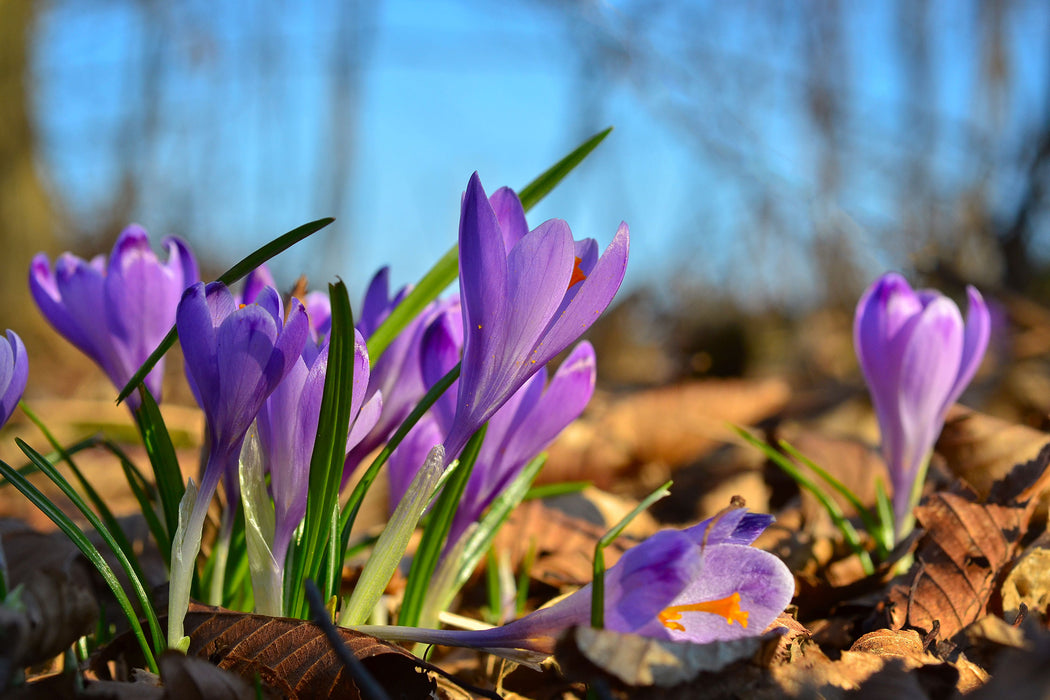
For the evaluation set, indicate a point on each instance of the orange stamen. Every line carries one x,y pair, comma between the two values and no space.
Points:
577,273
728,607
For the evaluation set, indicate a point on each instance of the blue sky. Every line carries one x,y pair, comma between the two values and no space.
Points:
221,115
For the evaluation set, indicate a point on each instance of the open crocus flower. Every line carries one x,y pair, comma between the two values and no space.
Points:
14,373
698,585
116,314
917,356
526,295
235,357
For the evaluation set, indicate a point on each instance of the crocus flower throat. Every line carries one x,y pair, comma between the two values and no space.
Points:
728,607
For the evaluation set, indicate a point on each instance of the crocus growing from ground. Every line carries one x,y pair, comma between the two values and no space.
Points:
235,358
288,427
917,356
698,585
14,373
526,295
116,314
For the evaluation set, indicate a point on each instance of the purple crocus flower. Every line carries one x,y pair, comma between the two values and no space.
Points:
116,314
526,296
14,373
288,428
235,357
917,357
698,585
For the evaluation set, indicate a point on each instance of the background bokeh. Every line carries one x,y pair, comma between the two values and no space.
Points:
769,157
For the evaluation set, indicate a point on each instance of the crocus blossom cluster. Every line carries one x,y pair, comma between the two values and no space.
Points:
116,313
917,356
14,373
702,584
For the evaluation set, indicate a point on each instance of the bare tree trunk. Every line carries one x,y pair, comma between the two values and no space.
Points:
27,217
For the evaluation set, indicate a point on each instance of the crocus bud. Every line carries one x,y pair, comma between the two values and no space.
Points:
917,356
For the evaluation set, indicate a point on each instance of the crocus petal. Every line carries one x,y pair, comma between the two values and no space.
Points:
590,300
81,288
439,353
648,578
319,310
763,582
14,373
244,347
48,297
409,456
254,282
929,367
975,342
511,216
483,264
376,306
539,269
366,419
196,326
141,295
881,313
737,526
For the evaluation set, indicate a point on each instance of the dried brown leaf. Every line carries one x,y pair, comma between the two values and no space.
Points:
965,547
902,644
982,449
585,653
50,612
1028,582
190,678
290,656
671,425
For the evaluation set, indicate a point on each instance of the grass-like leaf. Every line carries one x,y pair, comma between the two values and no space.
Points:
80,540
598,580
532,193
133,572
146,495
29,468
849,533
884,508
445,270
562,488
161,453
326,462
434,534
871,522
119,536
239,270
